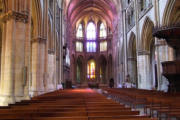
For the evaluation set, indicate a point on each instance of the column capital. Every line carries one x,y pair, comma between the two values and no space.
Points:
143,52
17,16
51,51
38,40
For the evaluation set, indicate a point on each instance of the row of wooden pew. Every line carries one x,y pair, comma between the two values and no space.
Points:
77,104
155,103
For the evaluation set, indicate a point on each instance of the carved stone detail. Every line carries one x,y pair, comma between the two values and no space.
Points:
39,40
18,16
51,52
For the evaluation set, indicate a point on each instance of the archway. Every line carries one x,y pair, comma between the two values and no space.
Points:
103,69
79,70
172,18
110,65
91,70
145,80
153,66
132,60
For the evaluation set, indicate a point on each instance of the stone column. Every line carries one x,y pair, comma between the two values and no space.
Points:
27,68
13,57
132,69
38,59
98,72
61,48
144,78
85,71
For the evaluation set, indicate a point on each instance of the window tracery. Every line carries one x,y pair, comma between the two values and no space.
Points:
91,46
102,32
79,46
91,69
91,31
79,33
103,46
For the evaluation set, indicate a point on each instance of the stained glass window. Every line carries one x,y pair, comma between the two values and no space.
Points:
91,46
103,46
103,33
91,69
91,31
79,33
79,46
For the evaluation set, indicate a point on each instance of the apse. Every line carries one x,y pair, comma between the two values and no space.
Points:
90,25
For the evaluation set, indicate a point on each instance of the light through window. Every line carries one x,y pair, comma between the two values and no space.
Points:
103,46
91,69
91,46
103,33
91,31
79,33
79,46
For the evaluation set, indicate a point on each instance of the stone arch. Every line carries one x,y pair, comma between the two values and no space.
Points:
79,69
172,13
167,12
110,66
91,59
145,80
132,60
83,27
132,45
146,36
103,69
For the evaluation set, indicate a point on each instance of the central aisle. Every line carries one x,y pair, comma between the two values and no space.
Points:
76,104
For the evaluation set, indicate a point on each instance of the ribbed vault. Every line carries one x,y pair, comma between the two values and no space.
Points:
104,10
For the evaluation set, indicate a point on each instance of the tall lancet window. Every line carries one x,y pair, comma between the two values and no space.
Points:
102,32
91,31
79,33
91,37
91,66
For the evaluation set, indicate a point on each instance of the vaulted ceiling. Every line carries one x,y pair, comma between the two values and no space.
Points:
105,10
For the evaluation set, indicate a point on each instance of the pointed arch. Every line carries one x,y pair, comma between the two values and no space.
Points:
91,69
132,59
102,31
91,31
103,69
79,69
146,36
79,32
132,45
167,12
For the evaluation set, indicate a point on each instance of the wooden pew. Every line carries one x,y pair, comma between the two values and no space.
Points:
69,105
